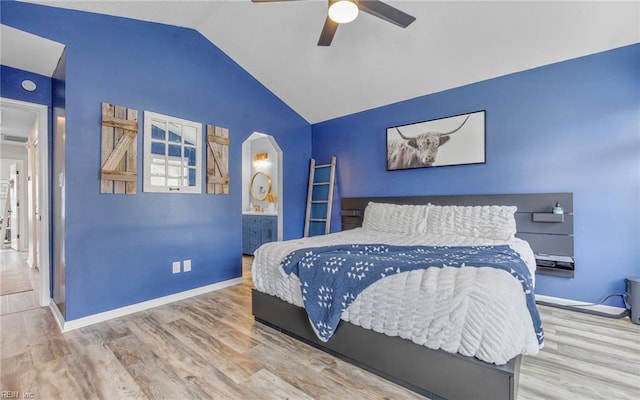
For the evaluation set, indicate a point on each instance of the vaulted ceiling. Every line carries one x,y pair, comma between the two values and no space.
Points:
372,62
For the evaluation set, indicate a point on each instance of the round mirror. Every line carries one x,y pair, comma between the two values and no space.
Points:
260,186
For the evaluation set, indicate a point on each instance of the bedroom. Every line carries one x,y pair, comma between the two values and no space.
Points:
561,113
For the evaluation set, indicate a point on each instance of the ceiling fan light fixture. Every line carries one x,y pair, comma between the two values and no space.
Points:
343,11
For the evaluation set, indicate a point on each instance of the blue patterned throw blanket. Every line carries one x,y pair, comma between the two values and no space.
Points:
331,277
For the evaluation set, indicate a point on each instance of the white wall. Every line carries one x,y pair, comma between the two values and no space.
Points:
252,147
269,167
32,193
9,154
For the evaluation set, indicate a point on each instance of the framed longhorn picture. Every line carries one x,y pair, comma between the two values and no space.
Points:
455,140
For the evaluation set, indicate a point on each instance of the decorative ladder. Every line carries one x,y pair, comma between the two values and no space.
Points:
319,197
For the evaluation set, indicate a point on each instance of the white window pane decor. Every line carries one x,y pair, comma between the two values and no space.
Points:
171,154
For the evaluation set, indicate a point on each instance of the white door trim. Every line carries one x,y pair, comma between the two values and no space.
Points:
43,186
18,206
246,159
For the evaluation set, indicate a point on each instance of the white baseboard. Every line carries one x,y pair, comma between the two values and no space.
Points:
57,315
66,326
567,302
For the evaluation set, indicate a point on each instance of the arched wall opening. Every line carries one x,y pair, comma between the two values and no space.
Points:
262,154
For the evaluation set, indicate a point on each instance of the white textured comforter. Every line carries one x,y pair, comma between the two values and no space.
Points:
479,312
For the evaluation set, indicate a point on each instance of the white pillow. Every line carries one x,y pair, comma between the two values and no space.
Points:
491,222
395,218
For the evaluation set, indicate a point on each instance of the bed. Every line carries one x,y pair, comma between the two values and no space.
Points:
449,332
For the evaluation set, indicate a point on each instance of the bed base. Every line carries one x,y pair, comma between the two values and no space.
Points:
432,373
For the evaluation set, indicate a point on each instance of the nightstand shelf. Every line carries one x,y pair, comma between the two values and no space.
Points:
547,217
562,266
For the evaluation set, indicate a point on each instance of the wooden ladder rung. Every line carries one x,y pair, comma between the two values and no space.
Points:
321,183
319,201
318,219
323,166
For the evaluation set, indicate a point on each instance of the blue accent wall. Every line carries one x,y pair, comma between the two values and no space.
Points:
119,248
573,126
11,86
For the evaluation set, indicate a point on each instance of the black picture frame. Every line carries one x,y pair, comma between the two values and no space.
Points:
454,140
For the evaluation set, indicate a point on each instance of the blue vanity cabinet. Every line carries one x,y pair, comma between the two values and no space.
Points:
257,230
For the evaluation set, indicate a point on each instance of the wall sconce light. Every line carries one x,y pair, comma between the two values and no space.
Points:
260,157
261,160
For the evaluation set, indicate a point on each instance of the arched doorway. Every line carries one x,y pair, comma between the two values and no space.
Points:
262,154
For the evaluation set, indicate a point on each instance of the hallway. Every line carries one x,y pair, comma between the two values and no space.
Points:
14,263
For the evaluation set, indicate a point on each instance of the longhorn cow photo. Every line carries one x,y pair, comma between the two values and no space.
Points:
446,141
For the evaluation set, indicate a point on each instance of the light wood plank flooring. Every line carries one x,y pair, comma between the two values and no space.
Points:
15,302
210,347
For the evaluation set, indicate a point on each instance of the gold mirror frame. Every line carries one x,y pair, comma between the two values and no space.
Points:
260,193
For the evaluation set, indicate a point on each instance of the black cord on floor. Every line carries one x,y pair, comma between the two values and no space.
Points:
623,295
577,307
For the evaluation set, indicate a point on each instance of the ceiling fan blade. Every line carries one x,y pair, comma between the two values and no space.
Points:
269,1
386,12
328,31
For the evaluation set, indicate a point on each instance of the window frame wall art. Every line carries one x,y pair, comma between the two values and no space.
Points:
455,140
172,154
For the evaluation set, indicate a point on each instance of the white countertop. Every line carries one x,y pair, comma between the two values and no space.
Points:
273,214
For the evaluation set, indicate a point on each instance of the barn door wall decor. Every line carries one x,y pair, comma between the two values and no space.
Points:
217,160
119,149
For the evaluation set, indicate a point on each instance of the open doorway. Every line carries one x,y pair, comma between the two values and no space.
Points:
13,216
262,194
25,133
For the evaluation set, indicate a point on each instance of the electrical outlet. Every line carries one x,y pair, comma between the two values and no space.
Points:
187,265
176,267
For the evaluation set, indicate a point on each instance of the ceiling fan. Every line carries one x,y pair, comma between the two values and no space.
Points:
345,11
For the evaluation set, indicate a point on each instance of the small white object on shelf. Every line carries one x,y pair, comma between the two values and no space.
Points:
558,209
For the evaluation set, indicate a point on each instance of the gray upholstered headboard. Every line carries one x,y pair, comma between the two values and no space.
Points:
550,236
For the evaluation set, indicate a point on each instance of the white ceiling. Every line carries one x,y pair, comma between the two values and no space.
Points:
373,63
28,52
15,122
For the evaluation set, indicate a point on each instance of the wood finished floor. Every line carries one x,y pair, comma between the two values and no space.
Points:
11,303
210,347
